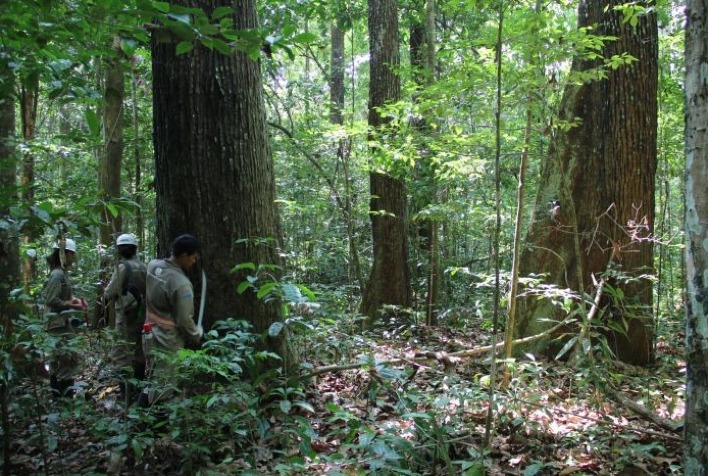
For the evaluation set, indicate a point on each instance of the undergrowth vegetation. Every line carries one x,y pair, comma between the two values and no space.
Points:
373,401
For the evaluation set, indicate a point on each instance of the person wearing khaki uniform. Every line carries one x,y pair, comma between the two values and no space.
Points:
61,308
127,291
170,312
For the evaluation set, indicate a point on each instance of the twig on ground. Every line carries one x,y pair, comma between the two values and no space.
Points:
427,356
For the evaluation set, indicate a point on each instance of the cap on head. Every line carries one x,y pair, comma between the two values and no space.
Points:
127,239
185,244
69,245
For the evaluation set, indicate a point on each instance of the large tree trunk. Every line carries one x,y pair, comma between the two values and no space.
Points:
696,427
602,171
9,243
389,282
213,166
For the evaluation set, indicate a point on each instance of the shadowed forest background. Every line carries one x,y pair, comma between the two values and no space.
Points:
440,237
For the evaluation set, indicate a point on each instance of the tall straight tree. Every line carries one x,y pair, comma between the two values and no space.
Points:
336,116
213,164
696,427
599,178
389,282
422,52
9,244
29,99
113,124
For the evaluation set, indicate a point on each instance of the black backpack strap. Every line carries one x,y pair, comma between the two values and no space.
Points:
128,286
128,277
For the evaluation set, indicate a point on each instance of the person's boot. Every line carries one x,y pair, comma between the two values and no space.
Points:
67,388
61,388
139,371
54,385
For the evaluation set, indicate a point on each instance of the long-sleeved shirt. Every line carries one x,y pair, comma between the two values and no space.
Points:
57,291
170,305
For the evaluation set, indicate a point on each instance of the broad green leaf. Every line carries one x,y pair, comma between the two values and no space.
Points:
164,7
137,448
184,47
568,345
275,329
307,37
243,285
265,290
242,266
113,209
93,122
222,12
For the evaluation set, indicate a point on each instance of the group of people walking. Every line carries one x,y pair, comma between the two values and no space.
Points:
157,299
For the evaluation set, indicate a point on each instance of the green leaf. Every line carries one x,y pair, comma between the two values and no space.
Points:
285,406
113,209
275,329
222,47
137,448
305,406
184,47
568,345
163,7
243,285
243,266
222,12
93,122
307,37
265,290
291,293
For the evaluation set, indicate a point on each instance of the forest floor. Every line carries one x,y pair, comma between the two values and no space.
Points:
414,417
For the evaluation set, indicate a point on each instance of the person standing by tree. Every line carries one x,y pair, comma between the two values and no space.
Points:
127,291
170,313
61,307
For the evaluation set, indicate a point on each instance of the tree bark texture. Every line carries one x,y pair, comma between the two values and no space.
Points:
28,112
389,281
9,239
602,171
696,419
214,168
113,125
336,79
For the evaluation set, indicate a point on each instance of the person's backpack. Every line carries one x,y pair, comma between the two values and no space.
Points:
130,287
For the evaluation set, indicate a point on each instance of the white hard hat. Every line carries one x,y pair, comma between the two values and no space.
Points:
127,239
69,245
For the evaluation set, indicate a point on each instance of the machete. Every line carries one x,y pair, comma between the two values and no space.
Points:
203,299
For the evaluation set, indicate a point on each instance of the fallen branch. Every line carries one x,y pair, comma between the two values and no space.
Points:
601,422
427,356
666,424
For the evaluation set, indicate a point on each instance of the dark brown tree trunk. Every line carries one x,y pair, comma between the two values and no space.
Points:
602,172
214,169
28,112
9,242
336,79
696,427
389,281
138,192
113,125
